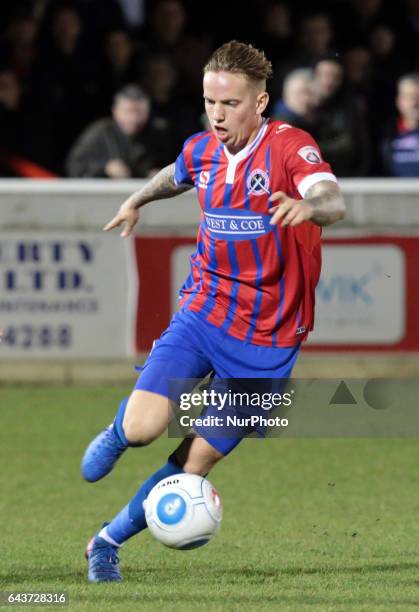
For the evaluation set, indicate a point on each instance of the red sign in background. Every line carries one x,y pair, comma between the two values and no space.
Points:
154,261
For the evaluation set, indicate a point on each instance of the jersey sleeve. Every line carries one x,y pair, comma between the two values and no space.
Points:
182,174
303,162
184,164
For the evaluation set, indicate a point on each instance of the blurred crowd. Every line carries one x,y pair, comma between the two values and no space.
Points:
112,88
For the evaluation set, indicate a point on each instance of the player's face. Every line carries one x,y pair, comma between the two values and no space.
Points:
234,107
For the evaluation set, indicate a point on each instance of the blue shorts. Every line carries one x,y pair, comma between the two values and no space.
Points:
191,348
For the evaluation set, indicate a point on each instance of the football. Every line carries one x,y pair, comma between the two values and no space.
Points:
183,511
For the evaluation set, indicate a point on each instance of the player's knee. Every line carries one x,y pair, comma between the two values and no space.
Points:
145,417
139,434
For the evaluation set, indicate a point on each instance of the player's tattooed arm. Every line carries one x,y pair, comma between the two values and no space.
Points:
327,201
323,204
161,186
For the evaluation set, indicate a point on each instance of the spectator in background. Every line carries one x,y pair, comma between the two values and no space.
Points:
388,63
275,36
122,146
64,86
298,102
121,65
401,142
133,12
169,110
364,84
409,28
16,143
315,38
340,128
20,45
314,41
356,18
357,66
11,115
166,35
366,13
167,26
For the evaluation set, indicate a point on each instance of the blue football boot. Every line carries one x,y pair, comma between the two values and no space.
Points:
101,455
103,561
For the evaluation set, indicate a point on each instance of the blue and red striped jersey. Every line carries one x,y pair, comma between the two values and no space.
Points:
254,280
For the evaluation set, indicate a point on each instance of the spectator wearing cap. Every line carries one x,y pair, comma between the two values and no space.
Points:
122,146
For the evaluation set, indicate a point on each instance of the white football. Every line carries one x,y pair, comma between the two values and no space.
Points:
183,511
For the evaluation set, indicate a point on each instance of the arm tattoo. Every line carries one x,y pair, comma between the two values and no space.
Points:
161,186
328,203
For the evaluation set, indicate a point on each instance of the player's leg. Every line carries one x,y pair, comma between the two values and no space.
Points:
193,456
138,422
196,456
151,410
141,418
146,417
234,360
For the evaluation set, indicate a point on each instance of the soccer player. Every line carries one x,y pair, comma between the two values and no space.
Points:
264,191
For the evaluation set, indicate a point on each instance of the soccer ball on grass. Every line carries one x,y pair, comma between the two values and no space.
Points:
183,511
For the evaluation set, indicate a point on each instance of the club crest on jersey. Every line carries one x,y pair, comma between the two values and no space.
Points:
204,176
258,182
310,155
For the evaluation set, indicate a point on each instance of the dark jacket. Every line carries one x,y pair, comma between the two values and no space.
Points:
400,151
103,141
282,112
341,133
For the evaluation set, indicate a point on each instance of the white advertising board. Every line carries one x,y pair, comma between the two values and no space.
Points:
67,294
360,298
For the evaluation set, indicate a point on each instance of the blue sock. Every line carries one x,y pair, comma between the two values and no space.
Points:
117,424
131,519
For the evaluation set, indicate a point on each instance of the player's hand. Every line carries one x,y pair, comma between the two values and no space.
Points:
116,168
289,211
127,214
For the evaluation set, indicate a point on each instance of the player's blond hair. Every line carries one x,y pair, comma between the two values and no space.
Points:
239,58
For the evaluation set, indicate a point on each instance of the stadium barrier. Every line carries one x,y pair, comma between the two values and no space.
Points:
76,302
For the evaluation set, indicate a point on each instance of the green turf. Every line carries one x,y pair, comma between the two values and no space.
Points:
308,524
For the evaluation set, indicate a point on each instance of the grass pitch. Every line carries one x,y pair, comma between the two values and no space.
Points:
308,524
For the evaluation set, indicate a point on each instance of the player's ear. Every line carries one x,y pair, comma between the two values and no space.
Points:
262,102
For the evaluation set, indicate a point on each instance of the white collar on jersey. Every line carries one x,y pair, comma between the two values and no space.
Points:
233,160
